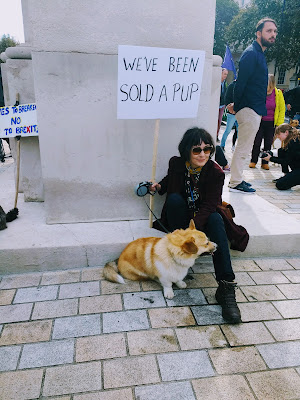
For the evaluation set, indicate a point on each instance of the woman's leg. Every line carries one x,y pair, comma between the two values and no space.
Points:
268,137
215,230
220,157
257,143
225,294
284,167
230,122
235,135
177,212
289,180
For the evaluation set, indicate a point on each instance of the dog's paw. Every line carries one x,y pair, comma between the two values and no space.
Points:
168,293
181,284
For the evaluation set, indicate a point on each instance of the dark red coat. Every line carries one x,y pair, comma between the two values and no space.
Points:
211,186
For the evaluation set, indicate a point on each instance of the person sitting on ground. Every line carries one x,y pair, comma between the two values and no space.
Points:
288,156
194,185
275,116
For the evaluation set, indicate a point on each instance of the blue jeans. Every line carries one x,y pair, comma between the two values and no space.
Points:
231,120
178,217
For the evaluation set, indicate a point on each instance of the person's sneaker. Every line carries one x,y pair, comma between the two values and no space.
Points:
242,188
226,169
247,183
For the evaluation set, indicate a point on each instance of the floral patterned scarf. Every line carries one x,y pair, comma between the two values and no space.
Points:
192,176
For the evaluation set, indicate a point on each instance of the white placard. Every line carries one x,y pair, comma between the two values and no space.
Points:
158,83
18,121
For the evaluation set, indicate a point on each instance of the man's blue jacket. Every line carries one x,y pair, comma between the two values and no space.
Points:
251,86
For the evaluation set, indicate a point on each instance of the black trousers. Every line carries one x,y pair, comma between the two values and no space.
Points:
266,131
220,157
289,180
178,218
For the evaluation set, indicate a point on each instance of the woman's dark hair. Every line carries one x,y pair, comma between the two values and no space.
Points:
193,137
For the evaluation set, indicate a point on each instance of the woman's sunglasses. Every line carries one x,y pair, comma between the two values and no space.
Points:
198,150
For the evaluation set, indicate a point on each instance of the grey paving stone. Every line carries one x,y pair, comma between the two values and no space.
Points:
281,355
291,290
80,289
121,394
130,371
187,297
6,296
143,300
200,337
185,365
18,281
200,267
78,378
100,347
42,293
54,309
208,315
48,353
293,276
243,278
262,292
68,327
274,264
236,360
268,277
258,311
227,387
123,321
288,329
59,277
15,313
9,356
247,334
295,262
275,385
288,308
21,385
152,341
167,391
244,265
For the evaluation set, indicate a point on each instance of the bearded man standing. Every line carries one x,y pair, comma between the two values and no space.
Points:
249,97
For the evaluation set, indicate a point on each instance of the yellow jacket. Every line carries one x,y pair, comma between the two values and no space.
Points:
280,108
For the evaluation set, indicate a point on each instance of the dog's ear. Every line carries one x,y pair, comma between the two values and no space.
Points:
189,247
192,224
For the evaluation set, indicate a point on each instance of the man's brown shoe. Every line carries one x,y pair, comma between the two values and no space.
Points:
265,166
252,165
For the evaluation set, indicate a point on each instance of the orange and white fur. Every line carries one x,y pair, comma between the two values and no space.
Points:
166,259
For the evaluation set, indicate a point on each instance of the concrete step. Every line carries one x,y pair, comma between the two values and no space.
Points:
29,244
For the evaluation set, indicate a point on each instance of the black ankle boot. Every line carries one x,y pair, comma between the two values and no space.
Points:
225,296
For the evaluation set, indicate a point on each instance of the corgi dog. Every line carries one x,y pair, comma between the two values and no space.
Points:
165,260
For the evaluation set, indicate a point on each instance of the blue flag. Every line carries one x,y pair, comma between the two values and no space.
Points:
228,61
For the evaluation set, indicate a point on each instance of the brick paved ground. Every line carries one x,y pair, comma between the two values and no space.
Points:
71,335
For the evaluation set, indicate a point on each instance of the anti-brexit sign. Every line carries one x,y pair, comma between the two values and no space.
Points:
155,83
18,121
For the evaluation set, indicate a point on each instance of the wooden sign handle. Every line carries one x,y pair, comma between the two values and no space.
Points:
154,160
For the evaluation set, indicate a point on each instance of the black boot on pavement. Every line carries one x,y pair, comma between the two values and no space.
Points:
225,296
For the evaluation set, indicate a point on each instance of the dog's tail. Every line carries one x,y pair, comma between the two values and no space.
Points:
110,272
